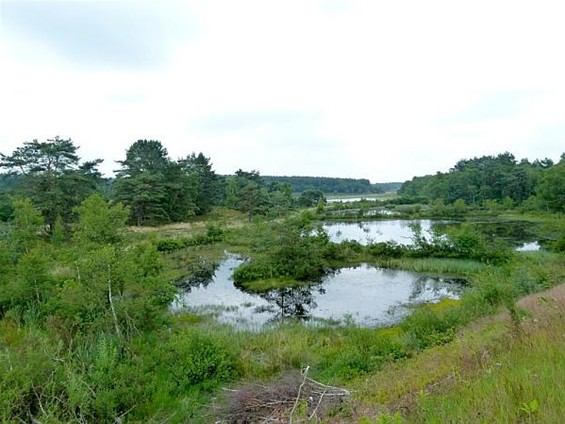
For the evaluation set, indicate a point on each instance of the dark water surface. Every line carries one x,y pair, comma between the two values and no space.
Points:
364,295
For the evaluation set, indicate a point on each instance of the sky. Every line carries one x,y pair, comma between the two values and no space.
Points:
384,90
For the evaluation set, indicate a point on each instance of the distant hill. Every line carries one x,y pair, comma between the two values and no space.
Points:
329,185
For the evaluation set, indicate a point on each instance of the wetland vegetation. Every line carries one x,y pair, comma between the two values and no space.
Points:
411,307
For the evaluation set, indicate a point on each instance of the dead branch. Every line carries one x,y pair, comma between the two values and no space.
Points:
279,400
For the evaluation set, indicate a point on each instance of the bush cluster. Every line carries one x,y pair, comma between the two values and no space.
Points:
297,253
106,379
460,243
213,235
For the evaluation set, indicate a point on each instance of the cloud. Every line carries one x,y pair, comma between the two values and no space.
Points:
238,120
495,105
378,90
121,34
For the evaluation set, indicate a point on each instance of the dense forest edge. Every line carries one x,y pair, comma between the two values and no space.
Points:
334,186
91,265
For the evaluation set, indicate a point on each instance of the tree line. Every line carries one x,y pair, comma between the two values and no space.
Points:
155,188
158,190
500,179
329,185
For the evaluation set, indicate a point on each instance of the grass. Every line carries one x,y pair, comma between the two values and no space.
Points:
435,265
489,373
524,383
265,285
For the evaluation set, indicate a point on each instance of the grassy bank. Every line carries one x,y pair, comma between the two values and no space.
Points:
493,371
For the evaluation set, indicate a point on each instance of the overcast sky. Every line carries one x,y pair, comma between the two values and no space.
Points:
373,89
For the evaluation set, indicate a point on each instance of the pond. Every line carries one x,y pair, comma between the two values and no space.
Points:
365,296
346,199
519,234
398,230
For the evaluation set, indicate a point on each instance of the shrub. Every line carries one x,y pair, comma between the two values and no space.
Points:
387,249
192,358
213,235
426,327
252,271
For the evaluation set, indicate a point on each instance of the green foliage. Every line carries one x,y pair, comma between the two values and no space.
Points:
159,190
114,290
551,189
387,249
26,226
296,252
100,223
468,242
248,192
28,377
361,351
311,198
213,235
52,177
207,182
6,208
330,185
384,418
29,287
425,327
82,328
520,385
145,195
193,358
463,242
498,182
58,232
182,189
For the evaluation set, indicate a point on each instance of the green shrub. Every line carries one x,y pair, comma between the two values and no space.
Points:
214,233
252,271
426,327
387,249
192,358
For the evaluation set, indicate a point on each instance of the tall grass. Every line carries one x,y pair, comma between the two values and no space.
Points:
524,384
435,265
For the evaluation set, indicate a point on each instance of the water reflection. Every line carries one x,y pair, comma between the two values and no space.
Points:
519,234
201,273
296,302
364,295
432,286
398,230
529,247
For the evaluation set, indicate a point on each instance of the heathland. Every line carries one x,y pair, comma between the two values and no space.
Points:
173,294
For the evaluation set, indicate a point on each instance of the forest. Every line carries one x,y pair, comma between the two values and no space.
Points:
501,178
329,185
93,271
156,189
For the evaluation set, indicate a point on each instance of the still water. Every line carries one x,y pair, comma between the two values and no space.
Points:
518,234
398,230
364,295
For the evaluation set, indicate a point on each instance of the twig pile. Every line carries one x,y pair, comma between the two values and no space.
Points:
293,399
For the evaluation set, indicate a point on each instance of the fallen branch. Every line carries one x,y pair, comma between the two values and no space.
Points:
279,400
299,393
